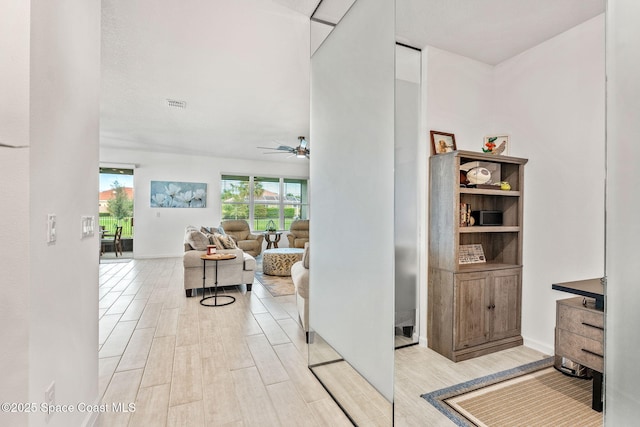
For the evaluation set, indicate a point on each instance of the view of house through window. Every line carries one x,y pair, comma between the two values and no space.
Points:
263,199
116,210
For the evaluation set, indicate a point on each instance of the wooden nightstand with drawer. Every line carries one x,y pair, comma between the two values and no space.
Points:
580,338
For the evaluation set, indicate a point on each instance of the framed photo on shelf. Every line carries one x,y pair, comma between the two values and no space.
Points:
496,144
442,142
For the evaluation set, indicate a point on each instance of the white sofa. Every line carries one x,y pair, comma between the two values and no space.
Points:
300,277
237,271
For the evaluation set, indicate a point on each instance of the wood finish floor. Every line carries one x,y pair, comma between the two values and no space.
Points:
239,365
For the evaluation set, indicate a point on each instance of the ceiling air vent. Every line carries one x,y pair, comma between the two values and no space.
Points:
176,104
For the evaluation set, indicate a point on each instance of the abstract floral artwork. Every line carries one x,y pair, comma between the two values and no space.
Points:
168,194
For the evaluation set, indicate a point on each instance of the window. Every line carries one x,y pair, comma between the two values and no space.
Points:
263,199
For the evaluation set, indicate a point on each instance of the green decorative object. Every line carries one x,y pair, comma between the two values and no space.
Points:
271,226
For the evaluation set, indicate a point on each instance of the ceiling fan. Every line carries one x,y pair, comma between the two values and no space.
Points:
301,151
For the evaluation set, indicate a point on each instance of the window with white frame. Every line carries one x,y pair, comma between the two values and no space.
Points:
260,200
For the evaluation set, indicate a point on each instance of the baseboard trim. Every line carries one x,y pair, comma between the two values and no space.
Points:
538,346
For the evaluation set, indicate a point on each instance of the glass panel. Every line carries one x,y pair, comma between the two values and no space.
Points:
351,282
263,213
622,202
115,202
260,200
296,200
235,211
234,195
407,139
266,190
115,207
234,189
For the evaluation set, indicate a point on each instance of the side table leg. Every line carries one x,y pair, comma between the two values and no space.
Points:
215,299
204,276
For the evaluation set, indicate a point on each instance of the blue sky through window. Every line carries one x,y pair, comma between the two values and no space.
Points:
107,179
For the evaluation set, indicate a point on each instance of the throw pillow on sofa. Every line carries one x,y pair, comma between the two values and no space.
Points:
225,242
197,239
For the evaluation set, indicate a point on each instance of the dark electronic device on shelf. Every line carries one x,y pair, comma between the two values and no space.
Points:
487,217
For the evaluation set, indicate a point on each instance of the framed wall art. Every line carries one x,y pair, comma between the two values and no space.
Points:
442,142
170,194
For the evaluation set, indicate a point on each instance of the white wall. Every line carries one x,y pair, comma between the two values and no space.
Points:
14,176
14,69
159,232
63,285
622,373
461,97
455,92
550,99
14,281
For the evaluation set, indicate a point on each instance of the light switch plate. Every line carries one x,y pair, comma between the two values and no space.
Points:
88,225
51,228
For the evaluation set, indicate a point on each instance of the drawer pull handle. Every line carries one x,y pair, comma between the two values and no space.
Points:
593,326
591,352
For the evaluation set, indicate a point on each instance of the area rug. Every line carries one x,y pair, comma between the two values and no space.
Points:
534,394
276,285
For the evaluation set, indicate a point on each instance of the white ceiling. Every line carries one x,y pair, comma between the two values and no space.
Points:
489,31
242,66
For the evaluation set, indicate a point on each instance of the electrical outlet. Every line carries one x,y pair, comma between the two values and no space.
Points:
50,399
51,228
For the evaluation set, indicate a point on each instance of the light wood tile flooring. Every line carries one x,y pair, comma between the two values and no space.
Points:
239,365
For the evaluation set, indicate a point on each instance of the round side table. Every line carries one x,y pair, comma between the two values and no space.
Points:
217,258
276,238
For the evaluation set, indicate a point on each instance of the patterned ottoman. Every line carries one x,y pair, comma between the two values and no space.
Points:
278,262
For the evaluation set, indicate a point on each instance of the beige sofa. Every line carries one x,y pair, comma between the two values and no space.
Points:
237,271
240,231
298,233
300,277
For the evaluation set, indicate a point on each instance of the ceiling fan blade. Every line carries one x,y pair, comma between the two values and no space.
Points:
300,151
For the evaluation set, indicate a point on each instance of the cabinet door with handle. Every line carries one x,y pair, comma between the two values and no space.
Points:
506,298
472,309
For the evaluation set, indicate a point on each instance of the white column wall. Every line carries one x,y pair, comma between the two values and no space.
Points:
14,69
622,373
63,286
14,175
14,281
